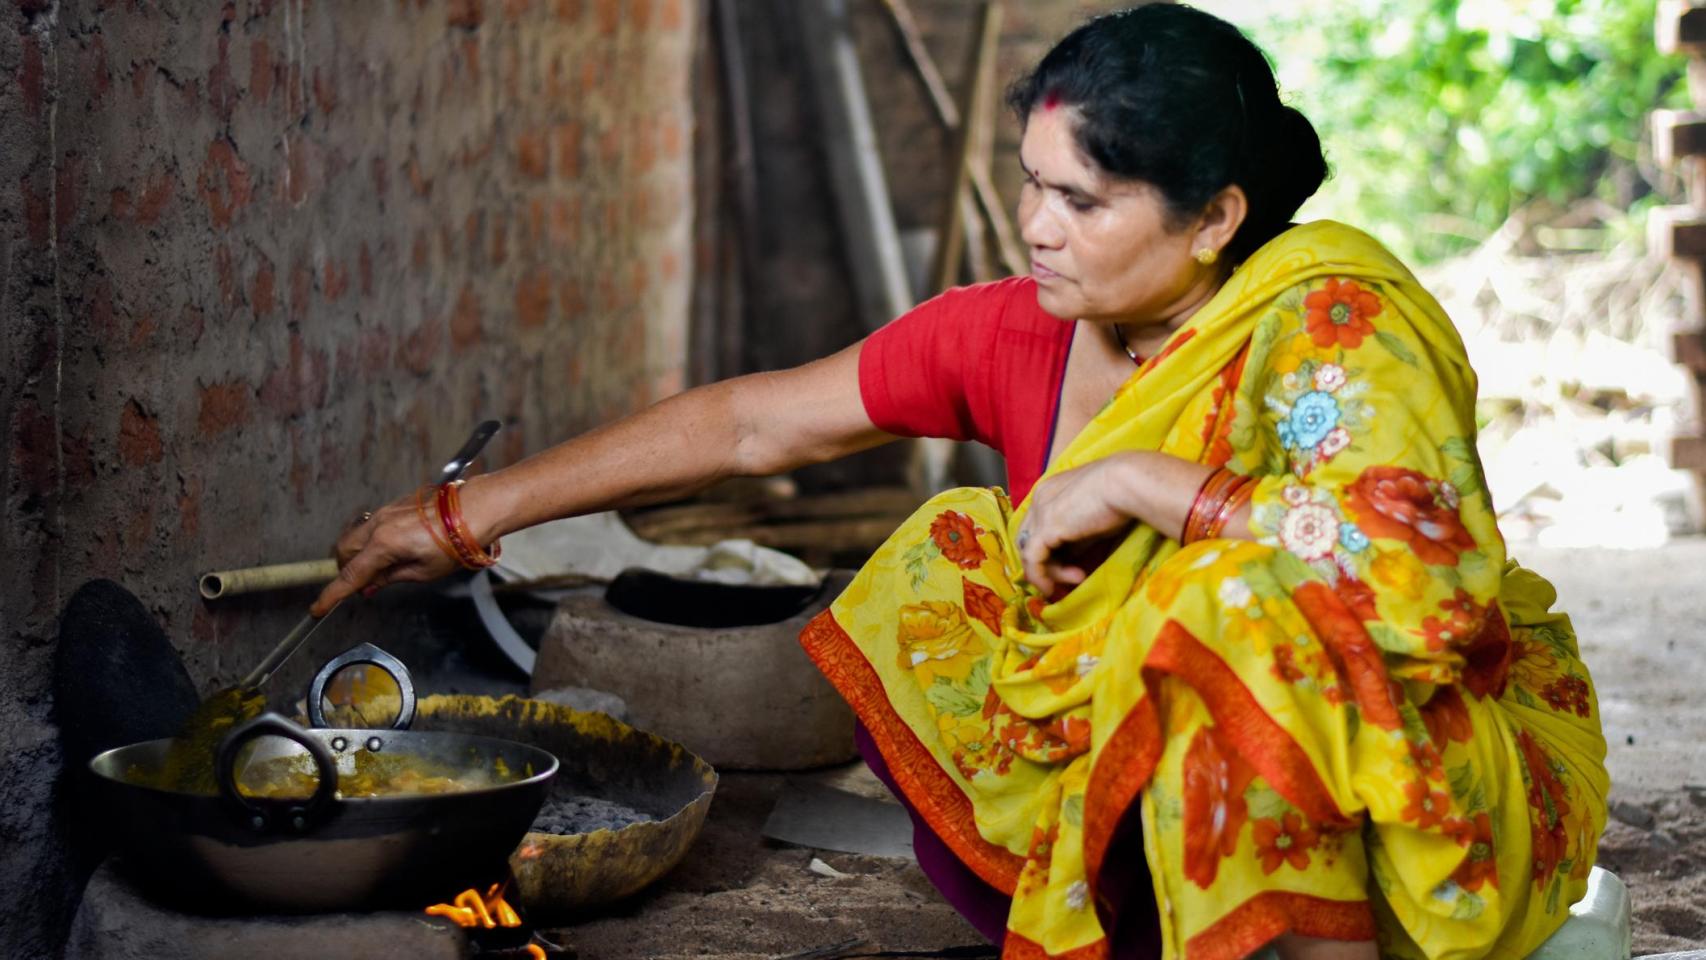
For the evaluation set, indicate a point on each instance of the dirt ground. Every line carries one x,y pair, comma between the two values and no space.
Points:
1641,617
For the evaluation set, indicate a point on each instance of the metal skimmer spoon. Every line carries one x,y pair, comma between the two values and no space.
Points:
452,472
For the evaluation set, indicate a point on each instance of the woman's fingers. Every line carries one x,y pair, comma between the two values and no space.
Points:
355,574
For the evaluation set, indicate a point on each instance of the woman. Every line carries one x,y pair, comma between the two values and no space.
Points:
1248,665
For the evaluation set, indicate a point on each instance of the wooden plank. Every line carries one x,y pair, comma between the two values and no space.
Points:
1677,231
1678,134
850,142
950,236
1688,453
1688,349
1680,27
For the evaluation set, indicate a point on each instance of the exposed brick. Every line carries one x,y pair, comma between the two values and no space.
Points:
189,507
221,91
33,434
674,138
37,217
531,156
533,299
471,55
261,76
325,93
565,222
226,272
224,183
639,14
102,75
143,329
568,139
465,320
420,348
419,182
139,529
263,289
364,270
607,16
300,385
223,406
500,240
466,14
374,352
67,190
334,280
30,77
420,252
671,17
380,178
301,290
514,9
568,11
141,78
119,208
296,171
156,195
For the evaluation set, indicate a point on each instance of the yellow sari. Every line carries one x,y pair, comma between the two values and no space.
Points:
1363,725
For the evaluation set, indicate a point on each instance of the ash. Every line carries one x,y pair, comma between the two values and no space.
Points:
564,816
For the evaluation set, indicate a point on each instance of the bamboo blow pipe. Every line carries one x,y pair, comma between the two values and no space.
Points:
277,576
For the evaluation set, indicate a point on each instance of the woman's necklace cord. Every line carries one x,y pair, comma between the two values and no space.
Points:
1119,334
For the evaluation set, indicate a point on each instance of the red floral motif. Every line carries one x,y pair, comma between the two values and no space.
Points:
1479,866
1567,694
983,604
1401,504
1072,732
1425,805
956,537
1487,658
1287,840
1462,623
1447,717
1283,667
1427,760
1550,802
1339,314
1215,780
1358,596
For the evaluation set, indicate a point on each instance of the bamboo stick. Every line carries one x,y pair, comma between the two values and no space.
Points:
277,576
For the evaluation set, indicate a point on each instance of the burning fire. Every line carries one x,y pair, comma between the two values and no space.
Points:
469,909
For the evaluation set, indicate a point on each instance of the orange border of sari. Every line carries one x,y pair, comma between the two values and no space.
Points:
932,792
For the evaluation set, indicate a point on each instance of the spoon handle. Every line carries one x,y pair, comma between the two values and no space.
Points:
282,652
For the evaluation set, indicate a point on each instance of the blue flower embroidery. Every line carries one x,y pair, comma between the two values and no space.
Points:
1313,416
1352,538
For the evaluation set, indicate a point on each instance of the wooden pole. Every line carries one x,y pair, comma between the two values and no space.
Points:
983,182
950,236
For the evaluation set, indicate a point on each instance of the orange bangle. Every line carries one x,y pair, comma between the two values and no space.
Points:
1234,502
1205,516
456,530
432,524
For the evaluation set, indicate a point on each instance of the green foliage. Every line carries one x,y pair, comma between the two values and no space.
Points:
1442,117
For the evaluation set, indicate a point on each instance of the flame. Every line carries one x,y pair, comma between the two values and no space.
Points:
469,909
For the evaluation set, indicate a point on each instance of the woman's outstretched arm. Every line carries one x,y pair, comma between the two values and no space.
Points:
755,425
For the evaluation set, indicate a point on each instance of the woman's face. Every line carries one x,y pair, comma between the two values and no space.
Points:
1100,247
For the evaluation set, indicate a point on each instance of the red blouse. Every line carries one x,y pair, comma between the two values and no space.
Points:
983,363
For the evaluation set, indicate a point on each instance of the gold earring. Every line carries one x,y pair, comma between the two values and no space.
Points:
1207,256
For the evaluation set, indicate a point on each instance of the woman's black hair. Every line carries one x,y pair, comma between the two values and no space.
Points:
1181,100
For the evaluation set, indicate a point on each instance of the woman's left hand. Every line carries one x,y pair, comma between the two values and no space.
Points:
1070,509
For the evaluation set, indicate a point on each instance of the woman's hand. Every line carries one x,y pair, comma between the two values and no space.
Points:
1069,512
391,546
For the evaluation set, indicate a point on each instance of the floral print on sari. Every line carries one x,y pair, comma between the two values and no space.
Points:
1365,724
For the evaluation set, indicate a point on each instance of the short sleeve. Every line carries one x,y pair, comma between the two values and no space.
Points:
916,374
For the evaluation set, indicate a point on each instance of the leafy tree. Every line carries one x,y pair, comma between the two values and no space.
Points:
1442,117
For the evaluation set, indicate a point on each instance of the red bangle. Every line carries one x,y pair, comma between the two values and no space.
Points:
1208,510
433,527
456,530
1235,501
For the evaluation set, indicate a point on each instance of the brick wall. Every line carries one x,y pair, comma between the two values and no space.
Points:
262,262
